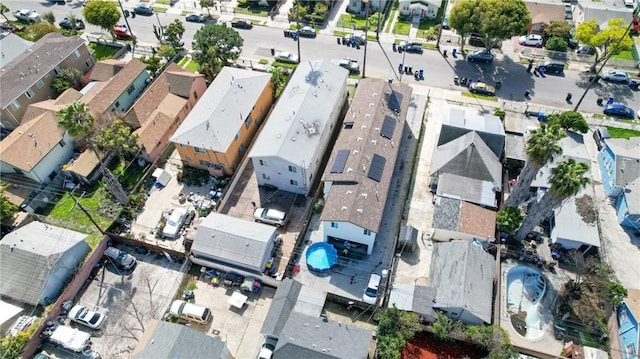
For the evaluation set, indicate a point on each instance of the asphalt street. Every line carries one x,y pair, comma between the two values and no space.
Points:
382,61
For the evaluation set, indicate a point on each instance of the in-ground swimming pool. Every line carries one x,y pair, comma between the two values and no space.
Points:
321,257
525,289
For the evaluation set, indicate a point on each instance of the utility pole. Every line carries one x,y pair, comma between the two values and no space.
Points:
298,28
133,38
366,40
444,13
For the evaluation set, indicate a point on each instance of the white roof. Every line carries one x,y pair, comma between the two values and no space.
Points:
8,311
569,222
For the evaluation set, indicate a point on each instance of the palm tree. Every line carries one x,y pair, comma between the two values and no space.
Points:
566,181
542,145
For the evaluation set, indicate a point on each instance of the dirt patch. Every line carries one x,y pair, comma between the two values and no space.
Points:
425,346
586,209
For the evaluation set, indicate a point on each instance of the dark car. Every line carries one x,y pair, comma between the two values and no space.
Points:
66,24
143,9
586,50
196,17
481,55
410,47
551,67
619,110
241,24
445,24
307,31
356,39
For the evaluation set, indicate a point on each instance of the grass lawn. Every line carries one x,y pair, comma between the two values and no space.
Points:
391,17
351,89
102,51
256,10
480,97
163,2
160,9
348,21
601,116
425,28
402,28
616,132
624,55
284,64
131,176
188,63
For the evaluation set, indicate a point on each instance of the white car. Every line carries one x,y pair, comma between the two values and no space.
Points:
616,76
370,295
270,216
27,15
266,352
629,3
531,40
174,223
84,316
284,56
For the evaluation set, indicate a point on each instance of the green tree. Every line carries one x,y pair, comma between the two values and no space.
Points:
214,45
13,345
298,14
561,29
49,17
166,51
320,9
35,32
104,14
614,293
153,64
500,20
608,41
278,80
73,19
174,31
542,146
570,120
207,4
557,44
509,219
3,11
395,327
7,209
566,180
465,19
117,138
443,327
65,79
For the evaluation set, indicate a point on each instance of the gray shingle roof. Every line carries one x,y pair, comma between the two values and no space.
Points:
284,300
354,197
515,147
28,254
30,66
446,213
602,12
12,46
627,154
169,340
313,338
463,275
461,120
314,90
221,111
467,189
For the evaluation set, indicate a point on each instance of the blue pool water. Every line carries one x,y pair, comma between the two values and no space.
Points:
321,257
525,289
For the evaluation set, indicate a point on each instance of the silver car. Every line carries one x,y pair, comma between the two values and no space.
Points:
616,76
270,216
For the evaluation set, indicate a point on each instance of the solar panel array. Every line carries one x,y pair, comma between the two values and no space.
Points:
376,169
340,161
394,99
388,126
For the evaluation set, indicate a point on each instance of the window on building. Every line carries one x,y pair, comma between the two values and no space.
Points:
263,162
248,121
29,93
241,148
62,143
88,63
199,150
131,89
293,169
182,145
76,54
56,69
367,232
334,224
39,84
293,182
237,136
195,95
15,104
204,163
187,159
265,177
348,125
117,104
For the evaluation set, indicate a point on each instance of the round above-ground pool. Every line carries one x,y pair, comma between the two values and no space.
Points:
321,257
525,289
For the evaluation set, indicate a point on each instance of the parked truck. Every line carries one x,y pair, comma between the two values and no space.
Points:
70,338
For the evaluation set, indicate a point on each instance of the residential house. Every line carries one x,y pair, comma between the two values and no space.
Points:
602,12
424,8
288,153
542,15
162,107
112,98
358,179
164,340
9,313
619,162
12,46
460,285
628,325
454,218
222,125
462,120
32,73
234,242
359,6
37,261
295,320
466,168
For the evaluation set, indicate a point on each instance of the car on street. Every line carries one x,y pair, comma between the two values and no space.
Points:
619,110
66,24
410,47
586,50
174,223
121,259
270,216
122,32
307,31
143,9
285,56
350,64
616,76
482,88
370,295
445,24
164,40
196,17
27,15
531,40
629,3
266,352
551,67
357,39
241,24
86,317
481,56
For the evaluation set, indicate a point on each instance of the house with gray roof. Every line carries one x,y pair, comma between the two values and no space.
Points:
358,176
454,218
291,146
221,126
461,120
12,46
37,261
234,242
164,340
32,72
602,12
619,161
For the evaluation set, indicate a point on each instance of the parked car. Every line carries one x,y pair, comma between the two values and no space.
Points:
586,50
270,216
629,3
307,31
349,64
122,32
87,317
358,39
410,47
482,89
66,24
266,352
119,258
616,76
551,67
174,223
284,56
164,40
143,9
370,295
480,55
27,15
445,24
191,312
69,338
196,17
619,110
241,24
531,40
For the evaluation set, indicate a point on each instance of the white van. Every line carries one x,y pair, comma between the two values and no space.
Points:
370,295
190,312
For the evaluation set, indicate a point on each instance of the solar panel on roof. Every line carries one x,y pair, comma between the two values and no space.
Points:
340,161
388,125
394,100
377,167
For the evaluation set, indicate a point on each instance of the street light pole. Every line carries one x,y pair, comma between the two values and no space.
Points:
366,40
444,13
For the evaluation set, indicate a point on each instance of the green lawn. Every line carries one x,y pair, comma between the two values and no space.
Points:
247,9
163,2
348,21
402,28
480,97
188,63
160,9
102,51
391,17
131,176
616,132
624,55
284,64
426,30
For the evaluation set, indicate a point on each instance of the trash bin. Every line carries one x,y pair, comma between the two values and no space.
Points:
498,84
394,47
541,116
454,52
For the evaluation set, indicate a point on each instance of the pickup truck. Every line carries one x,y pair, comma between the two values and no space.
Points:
26,15
71,339
174,223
